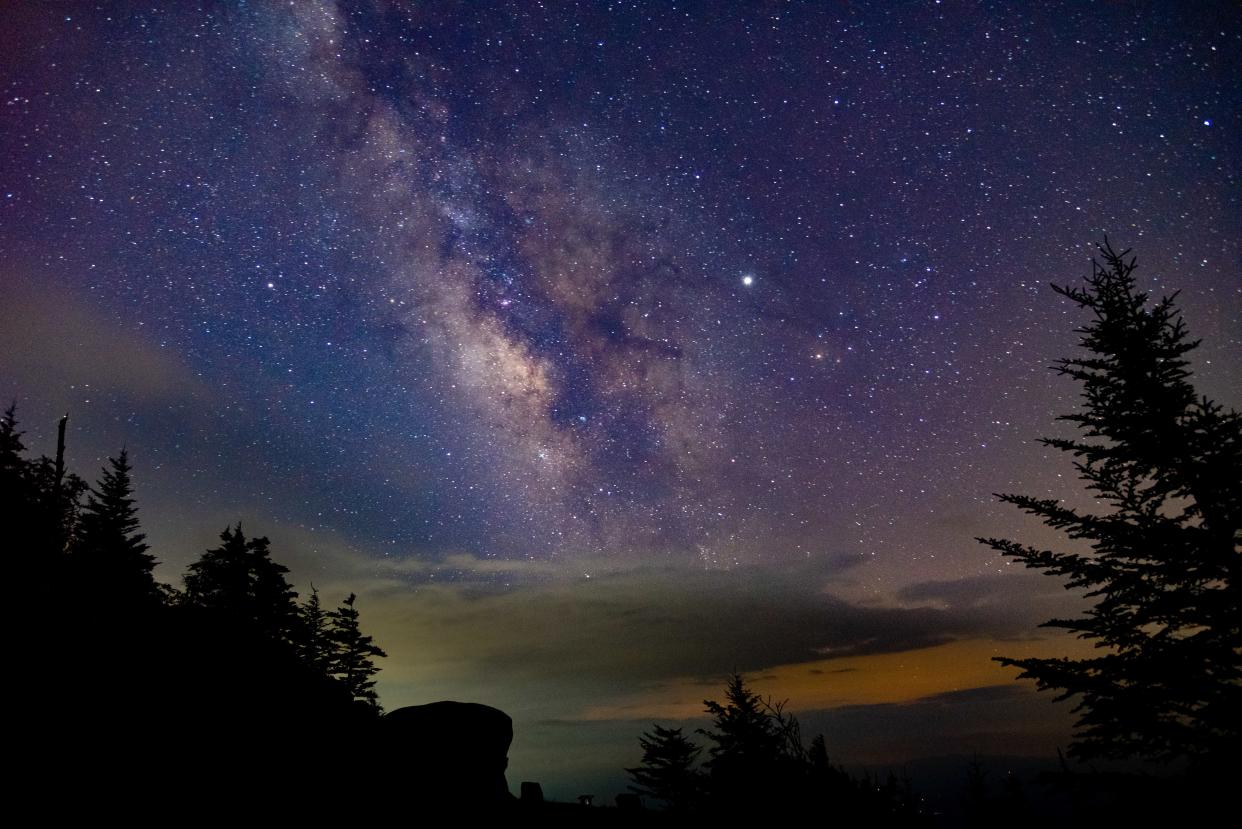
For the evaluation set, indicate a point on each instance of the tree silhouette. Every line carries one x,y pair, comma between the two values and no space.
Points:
240,579
314,640
352,660
19,503
12,464
109,551
757,755
743,735
41,503
216,685
1164,556
56,497
667,770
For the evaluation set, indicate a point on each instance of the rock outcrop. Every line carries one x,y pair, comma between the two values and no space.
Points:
448,753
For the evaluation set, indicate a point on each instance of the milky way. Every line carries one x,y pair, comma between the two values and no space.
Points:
532,280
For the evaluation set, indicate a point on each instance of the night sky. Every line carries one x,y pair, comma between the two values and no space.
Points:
605,348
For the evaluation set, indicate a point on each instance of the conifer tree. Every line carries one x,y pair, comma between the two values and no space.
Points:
667,770
744,734
30,559
315,643
747,762
18,504
240,579
40,503
12,465
55,508
1163,561
352,661
109,552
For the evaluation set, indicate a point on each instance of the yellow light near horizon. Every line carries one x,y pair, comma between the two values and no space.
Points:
887,678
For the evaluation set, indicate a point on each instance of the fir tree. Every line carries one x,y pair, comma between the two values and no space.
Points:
314,642
13,467
40,503
56,505
751,760
1164,554
667,770
744,734
18,502
109,552
352,660
240,579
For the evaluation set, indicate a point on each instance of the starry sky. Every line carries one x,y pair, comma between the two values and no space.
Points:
604,348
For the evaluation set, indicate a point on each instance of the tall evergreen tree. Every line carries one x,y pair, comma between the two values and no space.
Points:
354,653
40,503
1164,555
109,551
744,734
18,502
240,579
13,467
314,639
749,761
667,770
56,506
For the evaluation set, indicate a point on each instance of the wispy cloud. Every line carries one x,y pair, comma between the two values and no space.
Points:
59,347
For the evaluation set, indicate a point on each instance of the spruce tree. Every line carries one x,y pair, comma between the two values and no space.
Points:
13,467
1164,552
56,507
240,579
18,502
352,661
40,503
744,733
747,763
667,770
109,552
314,639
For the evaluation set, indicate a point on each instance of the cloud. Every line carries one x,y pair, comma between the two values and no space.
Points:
1013,602
58,345
978,591
602,633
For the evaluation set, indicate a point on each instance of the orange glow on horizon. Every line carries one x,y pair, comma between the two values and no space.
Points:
889,678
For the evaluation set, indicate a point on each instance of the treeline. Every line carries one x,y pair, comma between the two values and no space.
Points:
132,688
757,764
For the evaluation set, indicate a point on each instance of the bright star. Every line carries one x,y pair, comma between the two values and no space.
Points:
748,280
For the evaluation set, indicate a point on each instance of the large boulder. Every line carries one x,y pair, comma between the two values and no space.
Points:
448,752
